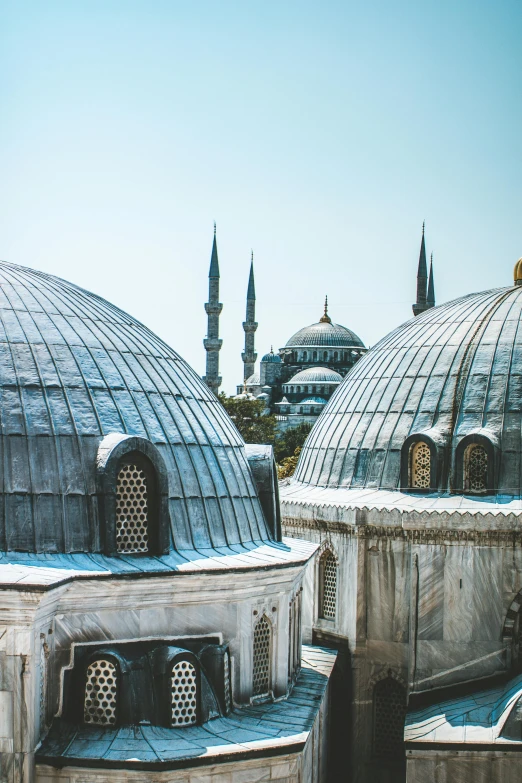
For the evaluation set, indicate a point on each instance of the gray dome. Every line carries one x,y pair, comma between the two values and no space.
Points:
271,357
313,401
316,375
453,372
324,334
75,369
253,380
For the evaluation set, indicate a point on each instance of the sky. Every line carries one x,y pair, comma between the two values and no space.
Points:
319,135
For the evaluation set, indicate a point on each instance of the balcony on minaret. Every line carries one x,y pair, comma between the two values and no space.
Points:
249,326
212,343
213,308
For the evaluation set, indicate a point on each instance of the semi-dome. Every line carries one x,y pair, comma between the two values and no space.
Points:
316,375
449,378
79,378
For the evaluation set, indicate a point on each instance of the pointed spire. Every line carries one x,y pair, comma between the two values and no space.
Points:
422,278
431,286
214,263
251,292
325,318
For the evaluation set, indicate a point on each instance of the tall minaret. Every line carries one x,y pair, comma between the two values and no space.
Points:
213,309
249,355
431,287
422,280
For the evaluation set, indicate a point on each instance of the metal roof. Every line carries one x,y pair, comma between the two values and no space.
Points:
316,375
324,335
453,371
73,369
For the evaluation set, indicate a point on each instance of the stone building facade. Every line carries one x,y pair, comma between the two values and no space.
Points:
150,611
410,484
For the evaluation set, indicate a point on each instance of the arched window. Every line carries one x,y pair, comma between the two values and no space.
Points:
475,468
43,687
325,356
336,356
305,356
101,686
420,465
315,356
389,712
301,409
132,509
262,657
327,585
184,694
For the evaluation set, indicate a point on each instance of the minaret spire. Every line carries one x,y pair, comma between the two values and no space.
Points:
249,355
325,318
431,286
422,279
213,309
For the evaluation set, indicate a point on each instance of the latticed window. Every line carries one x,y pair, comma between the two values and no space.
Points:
132,533
389,704
101,684
184,694
43,687
420,468
262,657
226,675
476,468
328,585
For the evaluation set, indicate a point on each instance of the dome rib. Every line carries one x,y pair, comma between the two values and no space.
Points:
96,370
457,357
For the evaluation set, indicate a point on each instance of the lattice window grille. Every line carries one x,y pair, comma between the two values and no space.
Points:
43,687
100,693
329,586
389,716
262,656
131,510
477,468
226,675
184,694
421,466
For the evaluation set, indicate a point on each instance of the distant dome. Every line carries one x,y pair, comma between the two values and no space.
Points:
78,372
313,401
316,375
253,380
325,335
451,373
271,357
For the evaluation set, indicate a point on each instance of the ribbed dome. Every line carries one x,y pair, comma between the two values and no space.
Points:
324,335
454,371
313,401
74,369
271,357
316,375
253,380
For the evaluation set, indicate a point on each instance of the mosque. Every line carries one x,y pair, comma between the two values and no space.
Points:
410,484
150,610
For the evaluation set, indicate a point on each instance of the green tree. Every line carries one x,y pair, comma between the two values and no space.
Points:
292,439
288,465
251,419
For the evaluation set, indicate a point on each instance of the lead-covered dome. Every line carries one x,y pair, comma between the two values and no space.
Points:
316,375
324,334
78,375
449,377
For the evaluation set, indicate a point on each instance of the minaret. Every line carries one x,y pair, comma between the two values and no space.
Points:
213,309
249,355
431,286
422,280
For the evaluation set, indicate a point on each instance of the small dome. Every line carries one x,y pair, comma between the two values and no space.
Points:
271,357
313,401
253,380
517,274
316,375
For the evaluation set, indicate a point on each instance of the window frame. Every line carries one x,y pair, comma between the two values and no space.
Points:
475,439
258,697
324,555
102,655
406,455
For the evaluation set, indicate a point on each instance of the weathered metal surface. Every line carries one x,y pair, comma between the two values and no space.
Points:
451,372
73,369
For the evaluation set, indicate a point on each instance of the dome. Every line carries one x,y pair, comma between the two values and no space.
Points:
324,334
452,373
77,375
271,357
316,375
253,380
313,401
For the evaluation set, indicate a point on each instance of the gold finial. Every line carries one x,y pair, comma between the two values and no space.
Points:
325,319
517,273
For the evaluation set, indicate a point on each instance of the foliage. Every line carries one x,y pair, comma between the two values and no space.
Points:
251,419
292,439
288,465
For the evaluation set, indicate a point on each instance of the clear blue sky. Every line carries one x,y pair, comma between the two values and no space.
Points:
319,134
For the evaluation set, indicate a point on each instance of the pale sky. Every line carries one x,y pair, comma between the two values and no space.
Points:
319,134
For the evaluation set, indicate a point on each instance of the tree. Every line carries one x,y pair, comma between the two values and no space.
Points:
292,439
251,419
288,465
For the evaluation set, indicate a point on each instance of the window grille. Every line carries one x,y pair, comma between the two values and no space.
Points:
131,510
328,584
420,466
101,684
389,704
43,688
226,674
184,694
262,656
476,467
